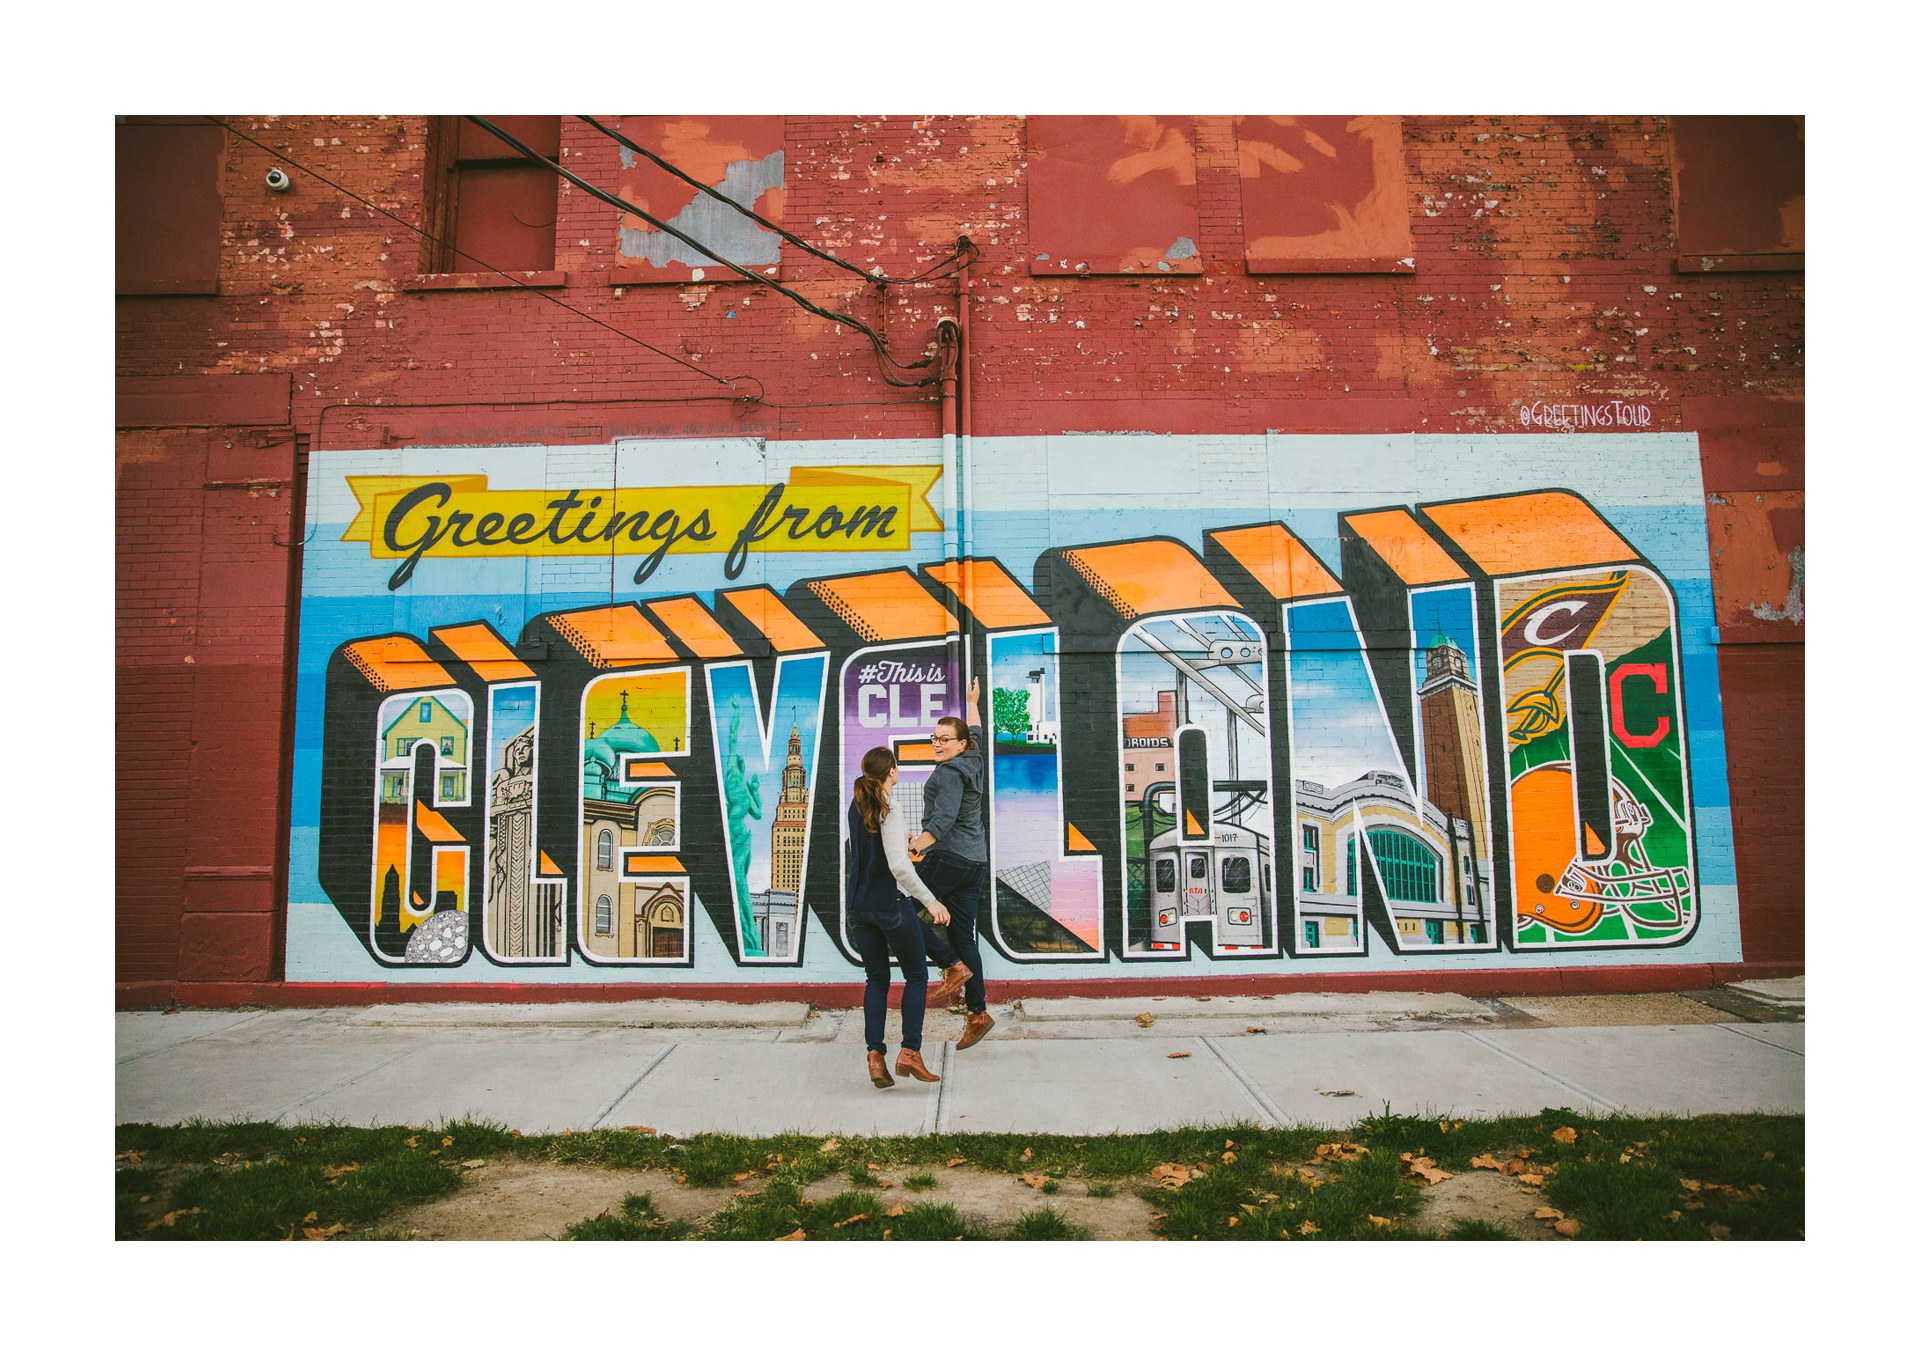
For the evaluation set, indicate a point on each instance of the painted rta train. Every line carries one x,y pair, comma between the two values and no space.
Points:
1226,880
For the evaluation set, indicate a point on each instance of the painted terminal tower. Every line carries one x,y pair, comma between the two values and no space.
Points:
776,910
1452,754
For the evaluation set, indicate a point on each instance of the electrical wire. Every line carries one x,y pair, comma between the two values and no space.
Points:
943,352
518,282
967,251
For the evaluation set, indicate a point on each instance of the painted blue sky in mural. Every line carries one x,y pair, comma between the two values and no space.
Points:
1339,730
1447,612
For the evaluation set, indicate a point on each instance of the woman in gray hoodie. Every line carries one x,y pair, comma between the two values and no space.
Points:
953,836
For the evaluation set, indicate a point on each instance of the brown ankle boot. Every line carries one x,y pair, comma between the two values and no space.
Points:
911,1063
978,1025
952,979
877,1069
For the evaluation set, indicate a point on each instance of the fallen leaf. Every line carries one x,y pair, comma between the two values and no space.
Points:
641,1129
1532,1179
413,1141
1228,1156
1719,1231
1144,1019
955,1162
312,1216
794,1237
1026,1155
1036,1180
335,1174
1340,1151
1171,1175
1768,1155
1309,1227
135,1157
321,1235
1233,1221
1256,1031
1688,1185
896,1212
747,1195
1181,1054
1424,1170
829,1146
1569,1227
850,1219
171,1218
875,1167
1488,1161
474,1163
742,1176
1227,1145
145,1199
1565,1134
1547,1212
1673,1216
447,1142
1625,1157
1379,1223
1337,1092
885,1234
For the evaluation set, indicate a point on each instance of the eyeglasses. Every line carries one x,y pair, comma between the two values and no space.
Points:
944,739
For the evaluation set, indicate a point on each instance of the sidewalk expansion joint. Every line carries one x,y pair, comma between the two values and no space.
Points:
593,1122
1756,1036
1275,1117
935,1122
340,1083
189,1040
1546,1073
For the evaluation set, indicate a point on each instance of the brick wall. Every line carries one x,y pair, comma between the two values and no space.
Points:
1544,276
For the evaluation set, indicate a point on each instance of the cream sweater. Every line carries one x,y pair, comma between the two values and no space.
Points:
893,837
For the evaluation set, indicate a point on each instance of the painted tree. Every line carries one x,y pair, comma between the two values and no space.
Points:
1010,712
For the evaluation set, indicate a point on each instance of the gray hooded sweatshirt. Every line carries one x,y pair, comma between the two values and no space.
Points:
951,812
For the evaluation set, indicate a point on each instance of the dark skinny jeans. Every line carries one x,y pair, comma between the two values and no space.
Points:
956,882
874,932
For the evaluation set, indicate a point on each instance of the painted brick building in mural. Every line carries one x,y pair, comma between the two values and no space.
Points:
1381,539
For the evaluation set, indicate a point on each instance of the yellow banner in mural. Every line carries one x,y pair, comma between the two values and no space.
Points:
869,508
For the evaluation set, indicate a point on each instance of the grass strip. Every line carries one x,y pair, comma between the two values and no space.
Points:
1706,1177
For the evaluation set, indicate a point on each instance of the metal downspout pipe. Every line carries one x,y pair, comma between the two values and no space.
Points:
952,489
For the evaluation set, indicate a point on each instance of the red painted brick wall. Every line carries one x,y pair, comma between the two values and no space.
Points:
1544,253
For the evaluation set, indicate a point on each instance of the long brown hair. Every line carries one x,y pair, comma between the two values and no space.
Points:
869,788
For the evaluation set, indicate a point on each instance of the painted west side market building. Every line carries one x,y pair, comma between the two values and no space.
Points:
1379,541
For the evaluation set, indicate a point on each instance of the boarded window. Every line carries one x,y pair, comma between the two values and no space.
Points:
495,208
1324,195
166,206
1112,195
743,158
1740,188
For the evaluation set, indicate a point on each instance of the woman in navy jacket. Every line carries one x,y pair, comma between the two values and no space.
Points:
881,889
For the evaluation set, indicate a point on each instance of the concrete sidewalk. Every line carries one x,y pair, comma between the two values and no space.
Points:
1068,1066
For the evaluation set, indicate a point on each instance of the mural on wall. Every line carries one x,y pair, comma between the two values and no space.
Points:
1447,731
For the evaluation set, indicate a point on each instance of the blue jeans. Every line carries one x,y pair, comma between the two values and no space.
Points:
875,931
957,883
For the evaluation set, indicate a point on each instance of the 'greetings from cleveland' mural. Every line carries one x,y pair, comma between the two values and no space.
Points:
585,712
